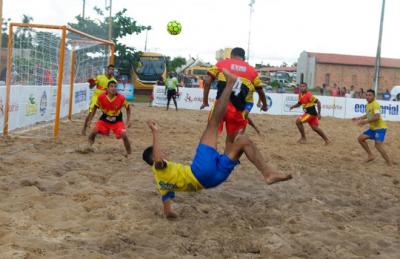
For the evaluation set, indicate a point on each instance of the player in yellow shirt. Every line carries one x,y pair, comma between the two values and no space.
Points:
101,83
377,128
209,168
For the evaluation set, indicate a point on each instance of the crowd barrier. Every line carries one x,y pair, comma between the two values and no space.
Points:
279,104
32,104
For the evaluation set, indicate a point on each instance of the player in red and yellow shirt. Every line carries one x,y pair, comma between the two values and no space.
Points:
101,83
308,101
241,99
111,104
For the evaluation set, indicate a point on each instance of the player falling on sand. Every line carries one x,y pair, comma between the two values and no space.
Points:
377,128
241,99
311,116
101,83
111,104
209,168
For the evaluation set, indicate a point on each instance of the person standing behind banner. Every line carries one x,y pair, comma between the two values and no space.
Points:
171,89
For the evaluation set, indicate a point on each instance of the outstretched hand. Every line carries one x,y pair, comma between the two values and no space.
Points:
153,125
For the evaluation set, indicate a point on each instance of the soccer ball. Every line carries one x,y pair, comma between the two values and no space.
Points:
174,27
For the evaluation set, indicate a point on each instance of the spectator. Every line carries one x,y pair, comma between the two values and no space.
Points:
386,95
344,91
362,94
296,89
334,91
352,92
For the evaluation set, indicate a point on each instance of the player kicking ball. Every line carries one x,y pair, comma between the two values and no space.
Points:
209,168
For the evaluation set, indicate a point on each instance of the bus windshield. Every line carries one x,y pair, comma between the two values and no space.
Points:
150,68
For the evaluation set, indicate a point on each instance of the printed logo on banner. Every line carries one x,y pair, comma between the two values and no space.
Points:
43,104
80,96
289,102
269,102
385,109
31,106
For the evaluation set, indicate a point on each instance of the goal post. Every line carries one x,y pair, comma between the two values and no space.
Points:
45,63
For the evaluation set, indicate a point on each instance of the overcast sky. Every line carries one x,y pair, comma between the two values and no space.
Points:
280,29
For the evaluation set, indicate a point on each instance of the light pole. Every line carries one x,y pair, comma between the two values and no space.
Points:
110,22
248,41
378,52
83,9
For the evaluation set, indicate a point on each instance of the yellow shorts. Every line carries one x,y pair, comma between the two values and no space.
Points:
94,98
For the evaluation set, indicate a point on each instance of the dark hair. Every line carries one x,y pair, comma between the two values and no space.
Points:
371,91
305,84
112,81
111,66
148,155
238,52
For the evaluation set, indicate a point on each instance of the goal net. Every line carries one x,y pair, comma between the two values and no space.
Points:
47,72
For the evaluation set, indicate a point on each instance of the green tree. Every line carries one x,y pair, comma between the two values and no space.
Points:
122,26
176,62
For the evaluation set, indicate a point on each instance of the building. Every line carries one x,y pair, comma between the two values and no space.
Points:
317,69
223,54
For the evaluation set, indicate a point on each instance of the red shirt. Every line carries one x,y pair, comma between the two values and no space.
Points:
308,101
111,108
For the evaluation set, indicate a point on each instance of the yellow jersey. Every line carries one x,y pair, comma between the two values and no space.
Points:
175,177
102,82
372,109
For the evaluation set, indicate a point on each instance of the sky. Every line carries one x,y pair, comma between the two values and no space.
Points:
280,29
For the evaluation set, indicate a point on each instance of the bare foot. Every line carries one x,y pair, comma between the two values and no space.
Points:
328,142
302,141
171,216
83,132
84,149
277,177
370,158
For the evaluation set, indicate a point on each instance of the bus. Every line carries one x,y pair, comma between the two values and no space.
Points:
152,67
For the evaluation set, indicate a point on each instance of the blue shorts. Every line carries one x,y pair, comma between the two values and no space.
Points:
377,135
248,106
211,168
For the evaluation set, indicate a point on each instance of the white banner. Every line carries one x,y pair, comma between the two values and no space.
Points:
279,104
33,104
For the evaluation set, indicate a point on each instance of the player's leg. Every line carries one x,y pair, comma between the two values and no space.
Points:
362,139
210,135
299,123
320,132
169,96
174,99
243,144
119,131
127,143
379,139
92,103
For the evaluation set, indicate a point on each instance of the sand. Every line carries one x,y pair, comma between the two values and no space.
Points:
58,203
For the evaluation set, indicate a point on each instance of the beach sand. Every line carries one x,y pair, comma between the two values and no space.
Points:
58,203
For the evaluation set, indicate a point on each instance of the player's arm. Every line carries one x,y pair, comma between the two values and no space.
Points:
360,118
262,98
295,106
159,162
318,108
128,114
365,119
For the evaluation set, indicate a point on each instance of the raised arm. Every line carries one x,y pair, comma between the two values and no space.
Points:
157,155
